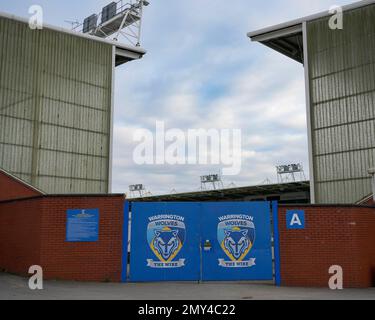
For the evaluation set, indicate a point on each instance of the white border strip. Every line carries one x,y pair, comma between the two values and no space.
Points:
308,111
111,117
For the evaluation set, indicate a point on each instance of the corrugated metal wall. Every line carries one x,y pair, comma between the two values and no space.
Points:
342,90
55,101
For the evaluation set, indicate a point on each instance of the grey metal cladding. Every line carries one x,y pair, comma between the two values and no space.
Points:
55,101
342,90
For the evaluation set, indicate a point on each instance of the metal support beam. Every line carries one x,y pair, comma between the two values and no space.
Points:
309,113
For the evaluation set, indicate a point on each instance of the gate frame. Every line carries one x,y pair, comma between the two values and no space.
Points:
276,241
125,242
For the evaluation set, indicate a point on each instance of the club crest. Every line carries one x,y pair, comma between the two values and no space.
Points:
166,237
236,236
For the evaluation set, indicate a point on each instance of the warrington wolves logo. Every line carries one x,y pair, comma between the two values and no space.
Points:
236,236
166,237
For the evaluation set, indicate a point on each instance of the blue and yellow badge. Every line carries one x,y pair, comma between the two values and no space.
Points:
166,237
236,236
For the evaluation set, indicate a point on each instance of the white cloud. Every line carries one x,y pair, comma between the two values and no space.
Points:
202,72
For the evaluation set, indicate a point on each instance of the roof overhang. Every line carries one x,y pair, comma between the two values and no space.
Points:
287,38
124,53
296,190
288,41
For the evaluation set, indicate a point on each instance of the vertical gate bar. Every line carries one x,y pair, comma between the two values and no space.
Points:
200,242
125,242
276,241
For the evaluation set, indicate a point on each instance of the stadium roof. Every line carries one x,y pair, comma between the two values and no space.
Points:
287,38
124,53
284,192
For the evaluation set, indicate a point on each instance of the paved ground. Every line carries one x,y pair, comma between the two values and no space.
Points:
13,287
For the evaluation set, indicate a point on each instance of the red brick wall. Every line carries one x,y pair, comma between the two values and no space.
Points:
20,235
92,261
36,232
342,236
11,188
33,231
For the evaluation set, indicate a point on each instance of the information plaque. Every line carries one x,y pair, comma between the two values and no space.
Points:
82,225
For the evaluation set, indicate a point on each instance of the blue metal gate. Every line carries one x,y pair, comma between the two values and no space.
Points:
165,242
201,241
236,241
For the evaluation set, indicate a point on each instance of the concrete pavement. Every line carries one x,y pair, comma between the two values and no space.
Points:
14,287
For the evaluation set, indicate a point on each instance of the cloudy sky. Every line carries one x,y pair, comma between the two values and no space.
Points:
201,71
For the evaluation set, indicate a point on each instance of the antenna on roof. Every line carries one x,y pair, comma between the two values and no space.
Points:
232,186
117,19
290,173
137,188
212,179
73,23
266,181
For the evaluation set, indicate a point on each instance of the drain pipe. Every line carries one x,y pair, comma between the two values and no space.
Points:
372,173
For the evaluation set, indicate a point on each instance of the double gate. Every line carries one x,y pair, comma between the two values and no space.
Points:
201,241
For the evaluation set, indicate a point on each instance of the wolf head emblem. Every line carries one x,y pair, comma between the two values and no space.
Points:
237,242
166,242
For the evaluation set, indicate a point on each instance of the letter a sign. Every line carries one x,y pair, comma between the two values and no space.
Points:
295,219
